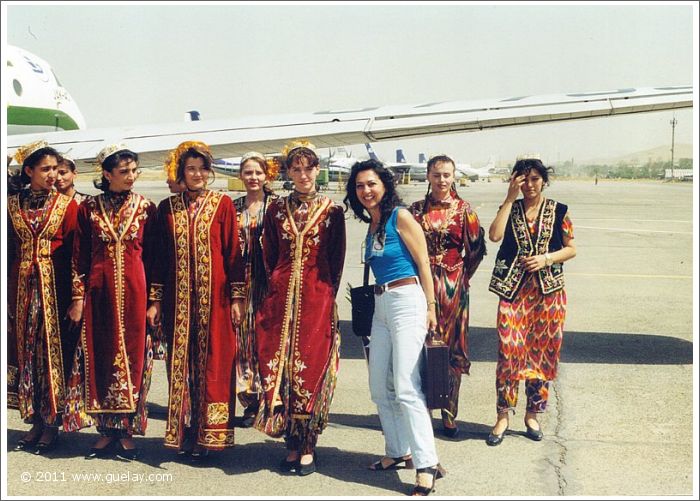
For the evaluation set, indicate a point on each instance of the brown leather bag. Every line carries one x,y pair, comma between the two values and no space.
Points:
436,358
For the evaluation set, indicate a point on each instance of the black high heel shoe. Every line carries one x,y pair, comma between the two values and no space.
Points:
436,471
44,447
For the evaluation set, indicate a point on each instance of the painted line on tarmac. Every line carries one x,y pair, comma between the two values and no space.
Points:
632,220
629,275
628,230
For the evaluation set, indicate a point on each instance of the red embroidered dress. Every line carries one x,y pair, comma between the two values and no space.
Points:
456,247
196,278
40,238
296,327
112,364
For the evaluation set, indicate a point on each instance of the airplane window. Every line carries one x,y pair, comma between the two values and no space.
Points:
17,86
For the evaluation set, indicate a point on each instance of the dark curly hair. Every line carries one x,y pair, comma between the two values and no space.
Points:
525,165
389,201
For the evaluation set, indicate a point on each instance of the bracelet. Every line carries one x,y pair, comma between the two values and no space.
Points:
432,302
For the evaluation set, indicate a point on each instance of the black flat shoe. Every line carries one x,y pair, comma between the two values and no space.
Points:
289,466
534,434
44,447
200,455
306,469
101,452
125,453
24,444
450,432
495,439
394,465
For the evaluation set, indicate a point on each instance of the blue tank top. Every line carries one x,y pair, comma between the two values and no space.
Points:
392,260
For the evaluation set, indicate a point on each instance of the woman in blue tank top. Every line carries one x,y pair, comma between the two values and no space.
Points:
404,311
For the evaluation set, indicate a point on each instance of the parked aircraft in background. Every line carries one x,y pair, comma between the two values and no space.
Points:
417,171
474,174
38,98
339,161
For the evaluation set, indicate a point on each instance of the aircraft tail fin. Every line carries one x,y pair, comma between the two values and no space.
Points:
192,116
400,158
421,158
371,153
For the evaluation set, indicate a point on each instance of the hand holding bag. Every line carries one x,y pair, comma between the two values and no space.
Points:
434,376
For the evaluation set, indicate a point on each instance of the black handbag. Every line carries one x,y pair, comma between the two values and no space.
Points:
362,300
434,376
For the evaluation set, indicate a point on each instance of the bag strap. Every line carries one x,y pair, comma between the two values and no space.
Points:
365,276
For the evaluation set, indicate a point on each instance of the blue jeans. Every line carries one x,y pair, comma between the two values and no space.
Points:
398,333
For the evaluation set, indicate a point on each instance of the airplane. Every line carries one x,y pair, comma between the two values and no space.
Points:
474,174
338,166
417,171
326,128
37,102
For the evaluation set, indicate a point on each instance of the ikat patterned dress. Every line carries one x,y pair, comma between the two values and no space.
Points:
456,248
530,327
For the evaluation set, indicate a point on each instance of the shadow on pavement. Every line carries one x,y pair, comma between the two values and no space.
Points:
266,455
578,347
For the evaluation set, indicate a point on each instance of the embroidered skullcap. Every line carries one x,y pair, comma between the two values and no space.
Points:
107,151
298,143
23,152
528,156
68,159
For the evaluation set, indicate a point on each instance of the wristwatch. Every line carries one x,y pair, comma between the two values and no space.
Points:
548,261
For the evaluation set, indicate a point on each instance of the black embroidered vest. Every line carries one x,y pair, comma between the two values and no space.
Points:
508,273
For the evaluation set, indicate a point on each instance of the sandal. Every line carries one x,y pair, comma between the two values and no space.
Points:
395,462
436,472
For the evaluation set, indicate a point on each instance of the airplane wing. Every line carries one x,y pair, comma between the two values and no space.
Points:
333,128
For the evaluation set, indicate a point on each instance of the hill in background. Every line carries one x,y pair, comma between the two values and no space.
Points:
658,154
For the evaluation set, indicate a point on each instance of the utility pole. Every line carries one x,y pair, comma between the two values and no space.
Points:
673,136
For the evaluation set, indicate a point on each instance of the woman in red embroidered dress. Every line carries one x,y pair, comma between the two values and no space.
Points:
112,364
40,340
537,238
456,247
256,173
197,282
296,326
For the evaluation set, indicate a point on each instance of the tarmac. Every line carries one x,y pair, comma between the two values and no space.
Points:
620,420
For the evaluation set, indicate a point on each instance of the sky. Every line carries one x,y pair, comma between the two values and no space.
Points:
129,64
